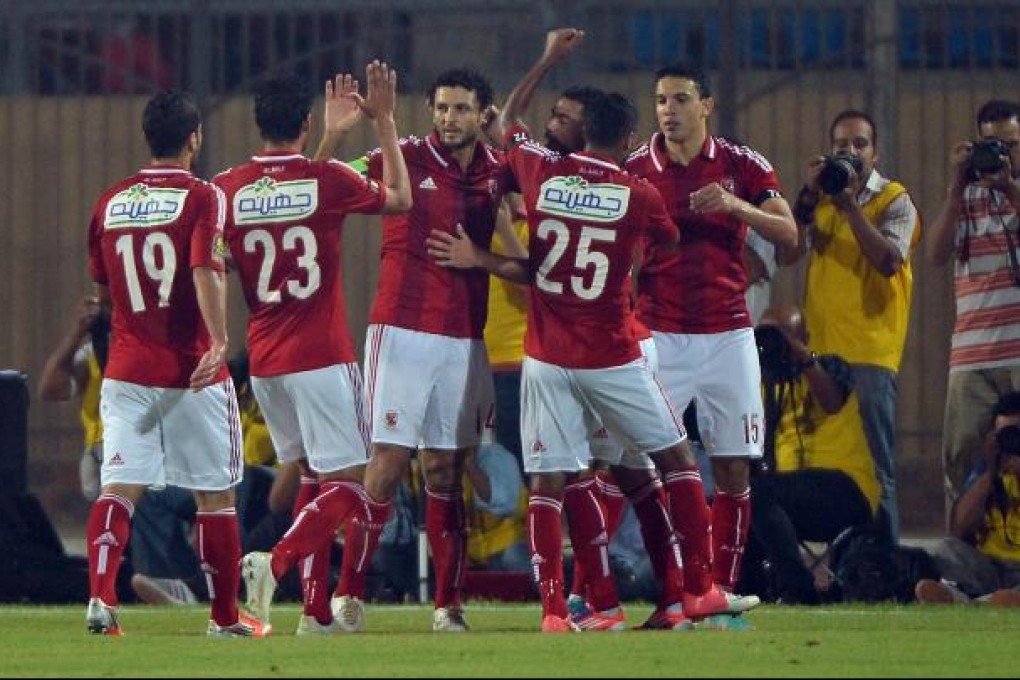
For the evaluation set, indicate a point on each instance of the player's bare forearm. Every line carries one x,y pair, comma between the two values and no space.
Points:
211,291
559,43
379,105
457,251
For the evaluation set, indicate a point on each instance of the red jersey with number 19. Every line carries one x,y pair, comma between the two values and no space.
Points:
284,223
698,287
585,218
146,235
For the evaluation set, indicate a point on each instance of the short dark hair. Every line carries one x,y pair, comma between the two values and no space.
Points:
996,110
169,119
1007,405
688,71
582,94
282,105
854,114
469,79
608,119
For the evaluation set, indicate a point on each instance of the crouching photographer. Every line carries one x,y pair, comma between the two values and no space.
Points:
980,560
817,478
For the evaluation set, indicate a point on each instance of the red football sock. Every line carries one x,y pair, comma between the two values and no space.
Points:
586,523
361,536
731,517
219,552
446,531
314,569
612,500
690,516
660,540
546,542
317,524
107,534
307,492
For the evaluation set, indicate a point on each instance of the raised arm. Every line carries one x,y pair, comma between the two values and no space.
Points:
60,374
340,113
558,44
378,105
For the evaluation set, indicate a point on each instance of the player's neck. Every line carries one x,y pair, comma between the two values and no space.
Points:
684,150
463,156
295,147
182,161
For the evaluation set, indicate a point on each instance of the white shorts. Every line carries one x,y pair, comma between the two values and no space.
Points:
154,436
720,372
317,415
426,390
606,448
560,407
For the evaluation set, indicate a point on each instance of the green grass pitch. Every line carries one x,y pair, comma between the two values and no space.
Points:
837,641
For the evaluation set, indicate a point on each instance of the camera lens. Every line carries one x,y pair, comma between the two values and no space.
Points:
837,172
988,156
1008,439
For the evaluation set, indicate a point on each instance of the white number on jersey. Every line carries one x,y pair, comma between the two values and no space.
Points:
585,259
161,272
299,238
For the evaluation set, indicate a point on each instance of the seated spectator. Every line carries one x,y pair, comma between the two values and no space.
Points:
980,560
166,570
496,503
818,478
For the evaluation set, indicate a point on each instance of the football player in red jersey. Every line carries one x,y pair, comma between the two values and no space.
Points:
169,412
692,296
285,217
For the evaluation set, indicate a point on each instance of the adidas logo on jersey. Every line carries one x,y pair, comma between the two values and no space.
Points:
427,183
116,460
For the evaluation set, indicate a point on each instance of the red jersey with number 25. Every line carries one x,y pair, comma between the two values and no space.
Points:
146,235
285,218
585,218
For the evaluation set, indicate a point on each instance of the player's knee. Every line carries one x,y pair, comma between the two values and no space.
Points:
732,475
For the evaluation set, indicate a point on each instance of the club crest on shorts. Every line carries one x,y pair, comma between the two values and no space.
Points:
390,419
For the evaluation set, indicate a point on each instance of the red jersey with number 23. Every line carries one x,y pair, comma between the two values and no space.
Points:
585,218
146,235
284,225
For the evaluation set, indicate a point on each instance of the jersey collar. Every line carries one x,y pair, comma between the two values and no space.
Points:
444,158
276,156
660,157
164,170
596,158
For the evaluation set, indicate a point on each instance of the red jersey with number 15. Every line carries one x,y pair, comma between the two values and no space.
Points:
146,235
698,287
285,218
585,218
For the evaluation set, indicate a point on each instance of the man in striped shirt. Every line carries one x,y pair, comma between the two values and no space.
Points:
978,223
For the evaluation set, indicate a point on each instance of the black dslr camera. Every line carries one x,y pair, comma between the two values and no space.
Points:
838,171
1008,439
775,355
988,156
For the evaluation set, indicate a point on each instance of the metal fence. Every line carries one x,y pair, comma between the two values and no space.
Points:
75,73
